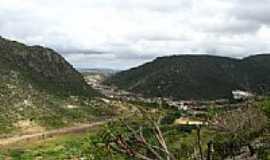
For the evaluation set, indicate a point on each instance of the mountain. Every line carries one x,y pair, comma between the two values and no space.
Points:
101,71
40,90
196,76
43,67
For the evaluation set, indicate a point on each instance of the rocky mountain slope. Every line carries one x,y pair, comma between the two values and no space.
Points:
196,77
39,90
43,67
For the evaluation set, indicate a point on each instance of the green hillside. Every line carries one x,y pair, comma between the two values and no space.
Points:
39,90
196,77
43,67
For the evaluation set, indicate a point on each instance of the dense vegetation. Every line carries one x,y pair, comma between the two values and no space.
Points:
39,90
43,68
196,77
243,132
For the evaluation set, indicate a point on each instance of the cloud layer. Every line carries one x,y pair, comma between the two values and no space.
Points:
125,33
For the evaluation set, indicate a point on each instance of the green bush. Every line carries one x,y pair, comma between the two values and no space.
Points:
170,117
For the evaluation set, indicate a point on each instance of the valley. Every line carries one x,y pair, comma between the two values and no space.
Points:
96,81
49,110
134,80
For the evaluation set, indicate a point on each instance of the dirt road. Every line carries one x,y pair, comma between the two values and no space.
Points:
50,134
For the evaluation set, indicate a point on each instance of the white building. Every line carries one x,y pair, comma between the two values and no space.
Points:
241,95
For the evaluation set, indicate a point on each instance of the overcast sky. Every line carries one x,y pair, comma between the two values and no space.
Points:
121,34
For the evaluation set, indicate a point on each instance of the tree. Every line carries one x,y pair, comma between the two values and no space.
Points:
237,129
132,141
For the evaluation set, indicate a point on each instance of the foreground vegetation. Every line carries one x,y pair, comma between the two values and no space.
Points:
237,133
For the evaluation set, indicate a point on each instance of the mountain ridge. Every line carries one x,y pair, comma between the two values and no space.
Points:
196,76
40,90
42,65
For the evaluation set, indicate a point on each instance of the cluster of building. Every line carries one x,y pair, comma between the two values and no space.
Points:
196,106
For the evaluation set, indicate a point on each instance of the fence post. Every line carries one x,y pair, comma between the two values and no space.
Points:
210,150
199,141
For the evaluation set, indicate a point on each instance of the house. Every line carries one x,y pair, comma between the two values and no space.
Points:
187,121
241,95
183,106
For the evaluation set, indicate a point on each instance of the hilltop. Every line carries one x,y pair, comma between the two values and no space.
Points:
45,68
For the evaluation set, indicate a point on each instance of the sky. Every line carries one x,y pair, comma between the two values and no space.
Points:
120,34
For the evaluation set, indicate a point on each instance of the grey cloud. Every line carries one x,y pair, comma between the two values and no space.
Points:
97,61
88,51
157,5
135,56
235,27
122,34
252,10
172,6
159,37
